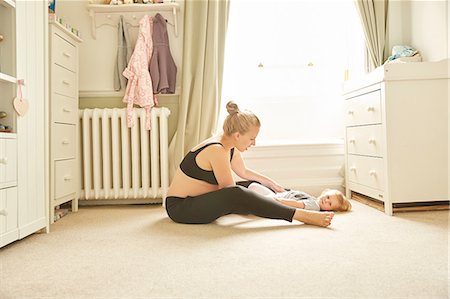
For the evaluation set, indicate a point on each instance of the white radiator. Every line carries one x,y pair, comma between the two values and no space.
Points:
121,163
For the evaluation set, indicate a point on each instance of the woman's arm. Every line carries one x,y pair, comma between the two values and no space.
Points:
220,163
238,166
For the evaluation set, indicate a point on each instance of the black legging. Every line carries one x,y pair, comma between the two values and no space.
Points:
208,207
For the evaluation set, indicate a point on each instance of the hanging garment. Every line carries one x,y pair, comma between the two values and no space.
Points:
139,86
124,52
162,66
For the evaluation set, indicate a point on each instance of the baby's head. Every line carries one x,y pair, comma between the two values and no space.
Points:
333,200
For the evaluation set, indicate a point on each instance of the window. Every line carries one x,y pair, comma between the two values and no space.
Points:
286,61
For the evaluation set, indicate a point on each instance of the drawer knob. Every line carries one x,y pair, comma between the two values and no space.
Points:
67,178
352,140
370,108
373,173
66,110
65,142
350,112
372,141
65,82
4,160
66,54
3,212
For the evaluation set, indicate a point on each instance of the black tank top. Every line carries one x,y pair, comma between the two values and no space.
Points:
191,169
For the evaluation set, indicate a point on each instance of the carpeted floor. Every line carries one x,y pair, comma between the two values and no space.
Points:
137,252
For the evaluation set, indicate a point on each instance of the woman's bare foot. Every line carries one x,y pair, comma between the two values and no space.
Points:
315,218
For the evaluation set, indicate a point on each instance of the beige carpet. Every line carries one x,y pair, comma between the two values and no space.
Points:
137,252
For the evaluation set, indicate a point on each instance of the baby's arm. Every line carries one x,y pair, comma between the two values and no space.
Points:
263,190
291,203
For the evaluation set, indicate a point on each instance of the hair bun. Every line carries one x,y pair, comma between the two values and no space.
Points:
232,108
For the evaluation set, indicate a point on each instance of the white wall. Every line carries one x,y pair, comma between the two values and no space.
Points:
308,167
421,24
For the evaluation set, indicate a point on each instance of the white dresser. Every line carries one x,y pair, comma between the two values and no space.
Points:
397,134
9,228
63,117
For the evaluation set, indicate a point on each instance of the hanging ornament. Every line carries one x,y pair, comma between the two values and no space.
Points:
20,104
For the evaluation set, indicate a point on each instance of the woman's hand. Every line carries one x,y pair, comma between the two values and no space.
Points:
275,187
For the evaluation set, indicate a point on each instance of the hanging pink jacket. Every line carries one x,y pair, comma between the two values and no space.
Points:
139,89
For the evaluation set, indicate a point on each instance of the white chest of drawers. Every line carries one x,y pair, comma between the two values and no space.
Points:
397,134
63,117
9,230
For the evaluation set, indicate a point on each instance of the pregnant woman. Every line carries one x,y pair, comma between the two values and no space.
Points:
203,188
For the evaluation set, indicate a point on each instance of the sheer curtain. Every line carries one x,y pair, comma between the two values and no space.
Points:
203,54
374,18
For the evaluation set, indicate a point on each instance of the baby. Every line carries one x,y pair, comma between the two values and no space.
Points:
329,200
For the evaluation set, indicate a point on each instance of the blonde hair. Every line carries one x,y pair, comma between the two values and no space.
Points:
344,203
239,121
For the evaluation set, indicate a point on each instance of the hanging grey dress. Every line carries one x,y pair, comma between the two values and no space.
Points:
124,52
163,70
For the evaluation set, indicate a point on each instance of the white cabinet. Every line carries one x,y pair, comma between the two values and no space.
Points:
8,160
63,117
9,227
397,134
7,63
22,144
9,230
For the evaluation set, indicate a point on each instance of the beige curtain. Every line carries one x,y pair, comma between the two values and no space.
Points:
203,54
374,18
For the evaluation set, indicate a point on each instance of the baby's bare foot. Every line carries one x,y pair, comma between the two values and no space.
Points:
315,218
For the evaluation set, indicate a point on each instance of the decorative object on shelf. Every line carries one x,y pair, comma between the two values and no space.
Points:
52,17
4,128
404,54
20,104
1,37
51,6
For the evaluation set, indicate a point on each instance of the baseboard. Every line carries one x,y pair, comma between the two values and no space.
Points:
96,202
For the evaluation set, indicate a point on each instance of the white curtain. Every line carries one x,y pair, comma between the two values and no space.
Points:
374,18
203,55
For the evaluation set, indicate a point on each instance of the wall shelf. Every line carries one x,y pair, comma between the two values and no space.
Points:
8,3
7,78
133,10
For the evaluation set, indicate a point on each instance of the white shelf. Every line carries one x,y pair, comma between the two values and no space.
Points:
4,135
124,9
8,3
7,78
